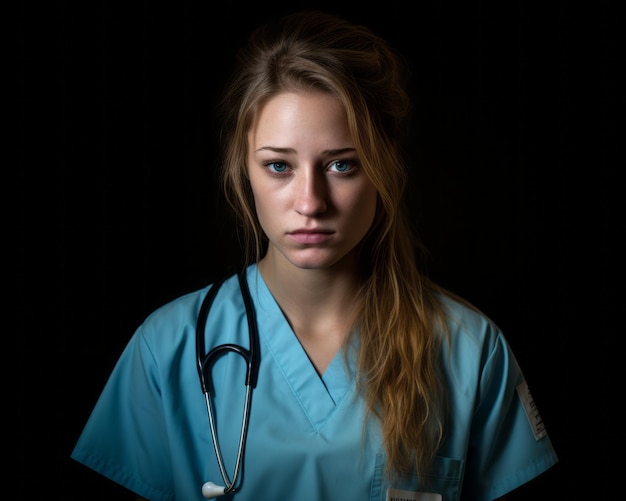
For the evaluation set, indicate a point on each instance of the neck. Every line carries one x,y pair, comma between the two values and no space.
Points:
319,304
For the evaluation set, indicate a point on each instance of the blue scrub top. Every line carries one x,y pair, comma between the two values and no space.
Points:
149,430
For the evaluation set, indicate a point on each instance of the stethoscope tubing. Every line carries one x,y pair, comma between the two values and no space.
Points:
205,364
229,485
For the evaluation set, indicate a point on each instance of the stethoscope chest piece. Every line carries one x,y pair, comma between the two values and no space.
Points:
211,490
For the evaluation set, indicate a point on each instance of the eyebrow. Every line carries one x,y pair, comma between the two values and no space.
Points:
276,149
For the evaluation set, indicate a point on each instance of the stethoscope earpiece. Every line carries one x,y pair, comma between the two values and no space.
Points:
211,490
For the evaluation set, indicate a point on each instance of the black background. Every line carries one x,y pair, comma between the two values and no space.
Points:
515,193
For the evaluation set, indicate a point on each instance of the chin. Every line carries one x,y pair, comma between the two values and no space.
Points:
318,262
310,264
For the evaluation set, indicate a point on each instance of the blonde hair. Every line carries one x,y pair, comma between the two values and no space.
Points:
401,323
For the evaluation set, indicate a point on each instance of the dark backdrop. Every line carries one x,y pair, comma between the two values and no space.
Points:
116,209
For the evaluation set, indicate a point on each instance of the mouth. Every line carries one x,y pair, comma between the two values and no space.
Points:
310,236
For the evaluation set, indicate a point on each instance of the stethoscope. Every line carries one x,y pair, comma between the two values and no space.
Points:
205,364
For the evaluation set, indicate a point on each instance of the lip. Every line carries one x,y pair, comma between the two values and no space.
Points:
310,236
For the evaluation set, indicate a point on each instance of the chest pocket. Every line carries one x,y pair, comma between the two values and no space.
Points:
442,483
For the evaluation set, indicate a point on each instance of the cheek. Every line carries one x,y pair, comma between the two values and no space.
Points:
267,205
367,199
362,206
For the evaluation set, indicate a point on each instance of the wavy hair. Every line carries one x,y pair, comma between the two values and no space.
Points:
401,322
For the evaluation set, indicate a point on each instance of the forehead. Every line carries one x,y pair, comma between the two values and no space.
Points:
298,115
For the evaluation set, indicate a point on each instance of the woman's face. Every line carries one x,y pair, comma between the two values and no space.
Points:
313,200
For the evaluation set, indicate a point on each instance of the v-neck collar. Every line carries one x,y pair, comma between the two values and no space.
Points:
318,396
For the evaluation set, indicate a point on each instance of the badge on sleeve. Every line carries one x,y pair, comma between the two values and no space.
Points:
532,413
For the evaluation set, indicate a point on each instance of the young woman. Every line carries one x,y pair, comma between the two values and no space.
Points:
367,380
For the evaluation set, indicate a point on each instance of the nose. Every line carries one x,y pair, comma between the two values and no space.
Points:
311,193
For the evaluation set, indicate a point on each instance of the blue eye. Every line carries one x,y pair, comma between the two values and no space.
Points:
341,166
277,166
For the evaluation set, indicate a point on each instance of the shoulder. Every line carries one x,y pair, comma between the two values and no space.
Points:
476,345
177,312
465,321
176,318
